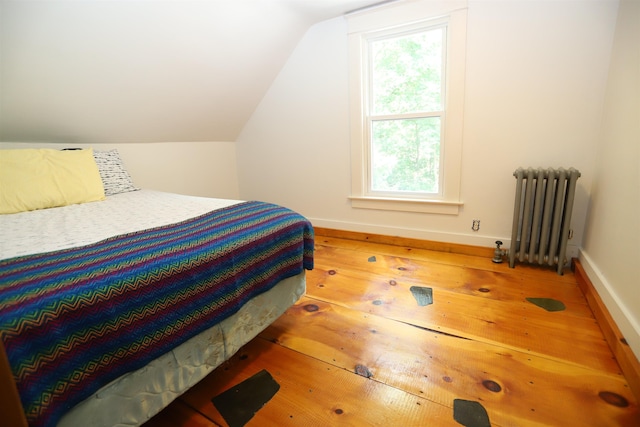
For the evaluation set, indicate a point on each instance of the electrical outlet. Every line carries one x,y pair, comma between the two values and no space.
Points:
475,226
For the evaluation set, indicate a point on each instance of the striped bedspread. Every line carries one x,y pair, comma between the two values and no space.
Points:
74,320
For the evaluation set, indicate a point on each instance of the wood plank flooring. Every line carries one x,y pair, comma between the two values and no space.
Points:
369,344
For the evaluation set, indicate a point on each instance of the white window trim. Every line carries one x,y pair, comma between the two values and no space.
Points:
361,26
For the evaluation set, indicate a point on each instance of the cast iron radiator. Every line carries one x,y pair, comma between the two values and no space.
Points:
542,216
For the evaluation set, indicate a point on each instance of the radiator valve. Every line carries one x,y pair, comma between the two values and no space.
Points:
498,253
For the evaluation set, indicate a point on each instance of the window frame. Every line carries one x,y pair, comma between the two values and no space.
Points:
385,22
371,117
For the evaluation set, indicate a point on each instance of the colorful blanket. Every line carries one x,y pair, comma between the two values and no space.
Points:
76,319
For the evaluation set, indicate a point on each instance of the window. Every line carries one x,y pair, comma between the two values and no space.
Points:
407,88
405,112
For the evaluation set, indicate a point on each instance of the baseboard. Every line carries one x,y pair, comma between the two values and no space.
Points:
471,240
456,248
484,244
625,356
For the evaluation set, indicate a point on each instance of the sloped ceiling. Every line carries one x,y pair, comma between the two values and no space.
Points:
144,71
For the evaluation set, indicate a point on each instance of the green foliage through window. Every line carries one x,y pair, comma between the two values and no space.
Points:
406,111
405,155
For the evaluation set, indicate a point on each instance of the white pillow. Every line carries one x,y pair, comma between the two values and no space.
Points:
115,177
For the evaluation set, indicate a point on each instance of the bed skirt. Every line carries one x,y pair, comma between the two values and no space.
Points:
135,397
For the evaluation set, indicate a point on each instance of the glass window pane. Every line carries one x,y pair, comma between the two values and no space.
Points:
406,73
405,155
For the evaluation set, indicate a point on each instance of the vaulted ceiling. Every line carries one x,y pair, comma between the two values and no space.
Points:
144,70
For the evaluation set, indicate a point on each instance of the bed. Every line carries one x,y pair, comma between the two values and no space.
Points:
112,308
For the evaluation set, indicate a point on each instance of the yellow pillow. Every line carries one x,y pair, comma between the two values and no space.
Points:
44,178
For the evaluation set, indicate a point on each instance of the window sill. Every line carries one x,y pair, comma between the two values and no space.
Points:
406,205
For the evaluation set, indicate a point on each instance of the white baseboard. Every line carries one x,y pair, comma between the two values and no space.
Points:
412,233
624,319
436,236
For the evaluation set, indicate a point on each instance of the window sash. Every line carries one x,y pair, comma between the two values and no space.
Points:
400,193
387,35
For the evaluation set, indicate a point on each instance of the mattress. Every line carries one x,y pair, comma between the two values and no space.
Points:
134,397
81,224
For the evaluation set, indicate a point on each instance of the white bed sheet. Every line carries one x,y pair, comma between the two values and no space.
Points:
47,230
135,397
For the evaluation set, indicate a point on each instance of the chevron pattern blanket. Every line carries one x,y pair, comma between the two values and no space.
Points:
74,320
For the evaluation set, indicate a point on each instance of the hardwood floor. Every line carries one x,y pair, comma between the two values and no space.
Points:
401,336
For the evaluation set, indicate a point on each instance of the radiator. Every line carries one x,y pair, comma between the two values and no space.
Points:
542,216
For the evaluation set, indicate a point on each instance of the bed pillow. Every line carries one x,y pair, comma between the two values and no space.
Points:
115,177
33,179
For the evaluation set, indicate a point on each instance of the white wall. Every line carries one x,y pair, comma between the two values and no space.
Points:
611,250
196,168
535,82
138,71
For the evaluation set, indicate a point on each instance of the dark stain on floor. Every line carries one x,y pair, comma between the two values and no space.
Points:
241,402
423,295
470,413
548,304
